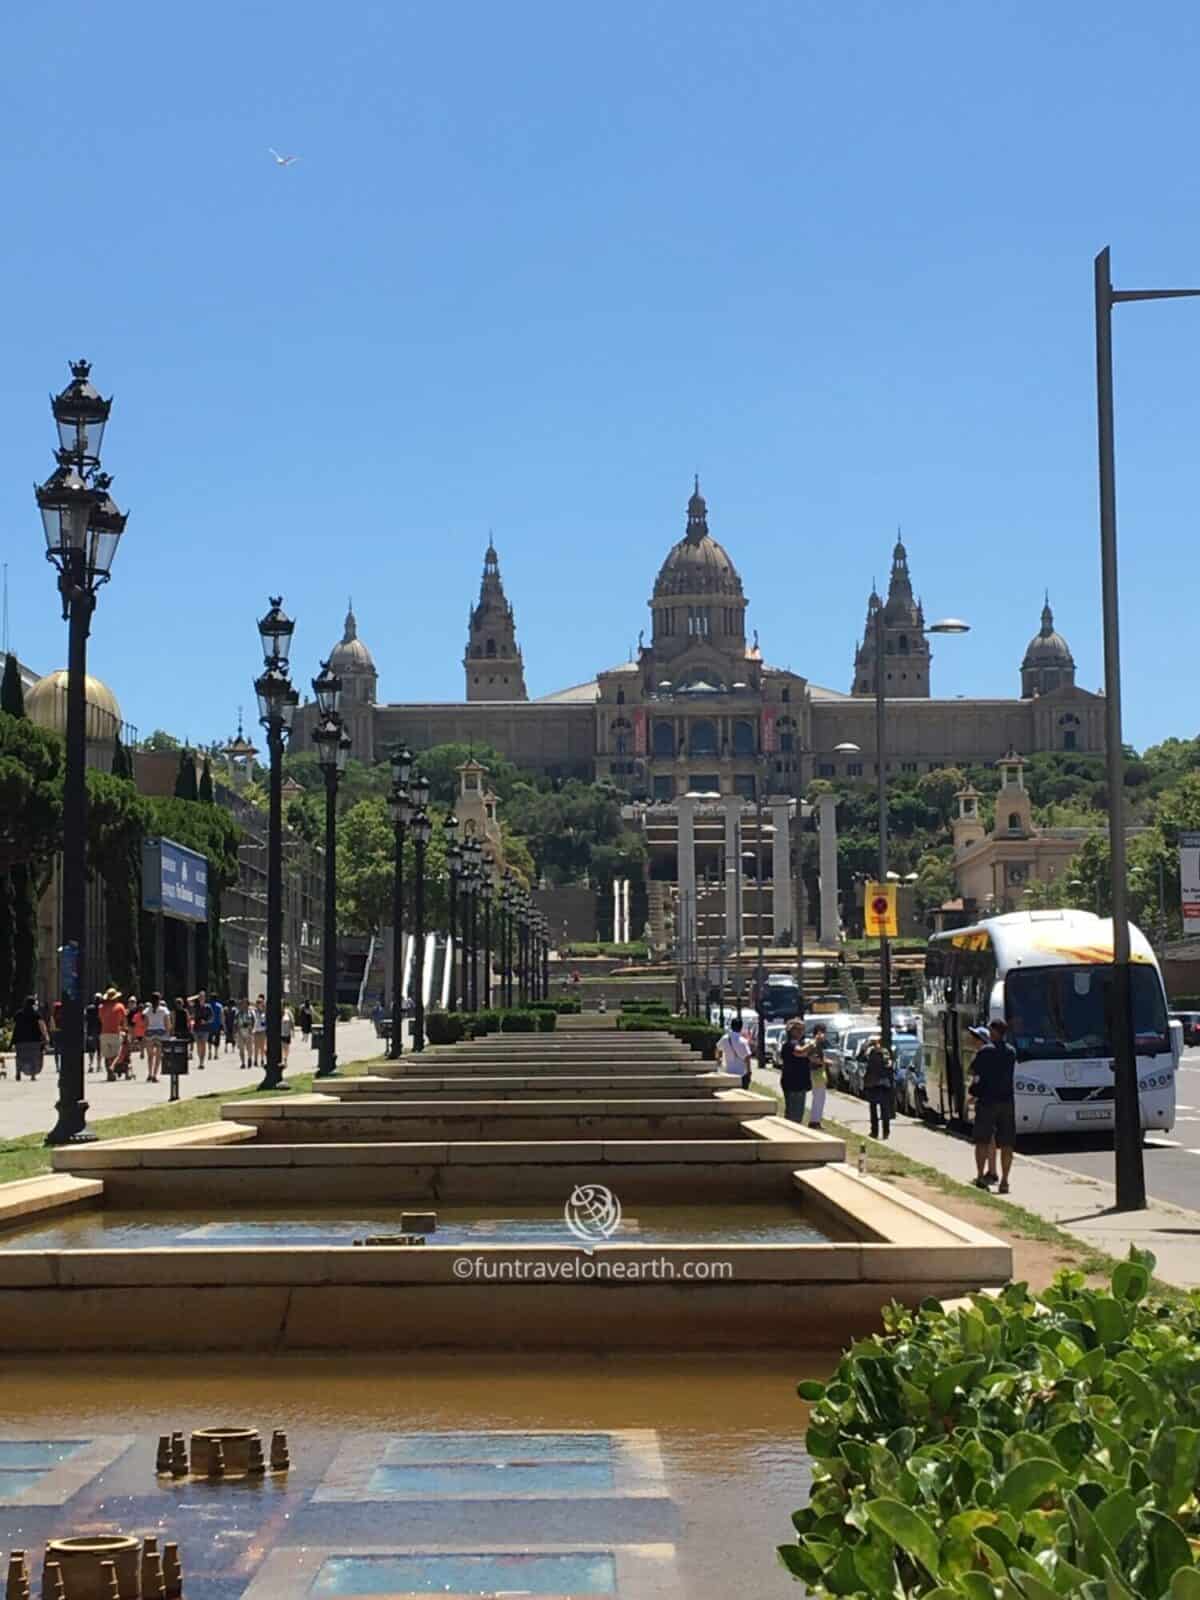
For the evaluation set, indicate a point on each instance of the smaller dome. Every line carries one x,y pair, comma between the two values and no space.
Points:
697,564
1048,648
351,655
46,706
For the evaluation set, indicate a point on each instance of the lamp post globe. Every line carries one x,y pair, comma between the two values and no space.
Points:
81,415
275,630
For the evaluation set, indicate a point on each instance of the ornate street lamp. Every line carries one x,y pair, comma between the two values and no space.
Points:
277,702
422,829
476,879
83,529
454,871
487,890
333,751
401,810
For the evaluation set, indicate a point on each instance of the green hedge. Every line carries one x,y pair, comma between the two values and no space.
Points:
564,1007
646,1007
1022,1448
702,1036
641,1024
445,1027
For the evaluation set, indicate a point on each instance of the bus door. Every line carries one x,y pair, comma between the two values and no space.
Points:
951,1039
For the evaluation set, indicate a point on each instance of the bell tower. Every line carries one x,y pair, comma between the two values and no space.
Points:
492,663
900,622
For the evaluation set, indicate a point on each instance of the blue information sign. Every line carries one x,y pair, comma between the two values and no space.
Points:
174,880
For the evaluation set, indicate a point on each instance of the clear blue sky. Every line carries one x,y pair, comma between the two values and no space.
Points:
539,263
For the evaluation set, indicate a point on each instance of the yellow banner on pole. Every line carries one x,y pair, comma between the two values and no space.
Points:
879,911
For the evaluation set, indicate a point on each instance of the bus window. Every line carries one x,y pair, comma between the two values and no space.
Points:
1055,1013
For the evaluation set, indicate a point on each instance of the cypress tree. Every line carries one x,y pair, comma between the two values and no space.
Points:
122,761
185,778
205,791
12,694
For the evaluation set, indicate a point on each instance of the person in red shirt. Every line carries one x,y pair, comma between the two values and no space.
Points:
112,1026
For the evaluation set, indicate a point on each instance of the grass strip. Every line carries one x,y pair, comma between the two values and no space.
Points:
28,1157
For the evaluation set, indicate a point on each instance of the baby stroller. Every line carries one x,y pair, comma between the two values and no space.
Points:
122,1067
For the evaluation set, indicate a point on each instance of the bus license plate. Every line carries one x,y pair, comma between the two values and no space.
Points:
1092,1116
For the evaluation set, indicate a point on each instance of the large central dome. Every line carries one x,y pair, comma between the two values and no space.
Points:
697,564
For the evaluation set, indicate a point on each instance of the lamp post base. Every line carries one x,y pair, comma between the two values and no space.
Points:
274,1082
322,1073
71,1127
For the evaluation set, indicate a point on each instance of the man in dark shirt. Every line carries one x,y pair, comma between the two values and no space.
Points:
995,1113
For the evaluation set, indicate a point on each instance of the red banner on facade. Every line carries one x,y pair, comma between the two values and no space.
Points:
769,742
639,733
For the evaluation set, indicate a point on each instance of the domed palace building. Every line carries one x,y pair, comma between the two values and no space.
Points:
699,711
699,708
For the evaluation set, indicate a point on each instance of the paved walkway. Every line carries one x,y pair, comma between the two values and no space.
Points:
1079,1204
28,1107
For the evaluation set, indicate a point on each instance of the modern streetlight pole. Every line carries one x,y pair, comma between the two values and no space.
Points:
760,977
401,809
1130,1170
277,701
422,830
83,529
947,625
333,750
453,872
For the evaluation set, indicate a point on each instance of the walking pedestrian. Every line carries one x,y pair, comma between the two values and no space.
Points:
216,1027
112,1026
181,1025
995,1111
306,1020
286,1027
795,1072
136,1026
879,1082
231,1026
201,1013
816,1065
260,1030
733,1051
245,1033
30,1037
158,1026
91,1032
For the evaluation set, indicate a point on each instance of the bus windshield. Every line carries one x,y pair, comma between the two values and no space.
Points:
781,1001
1061,1013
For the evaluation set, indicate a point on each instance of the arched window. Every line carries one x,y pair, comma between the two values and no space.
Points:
664,740
786,696
903,644
743,739
491,647
620,697
1014,822
702,739
622,736
785,728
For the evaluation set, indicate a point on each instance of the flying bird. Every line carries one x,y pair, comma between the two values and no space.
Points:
282,161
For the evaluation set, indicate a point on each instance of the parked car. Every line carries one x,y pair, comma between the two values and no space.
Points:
1190,1022
910,1076
849,1070
775,1033
904,1019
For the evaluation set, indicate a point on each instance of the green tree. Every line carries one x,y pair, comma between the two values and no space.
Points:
938,789
122,762
12,694
204,791
185,777
440,765
160,741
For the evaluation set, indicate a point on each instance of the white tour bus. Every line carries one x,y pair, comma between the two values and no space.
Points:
1047,973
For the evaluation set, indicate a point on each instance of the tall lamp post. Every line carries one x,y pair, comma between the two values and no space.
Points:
83,529
507,906
333,750
487,891
545,958
401,809
1130,1171
277,701
454,872
476,880
947,625
422,830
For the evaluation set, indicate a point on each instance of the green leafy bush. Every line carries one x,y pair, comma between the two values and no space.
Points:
518,1022
647,1007
637,1023
547,1021
702,1036
1020,1448
445,1027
